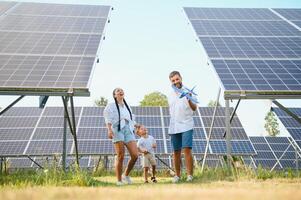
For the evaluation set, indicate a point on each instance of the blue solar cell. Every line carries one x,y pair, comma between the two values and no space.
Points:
261,147
295,133
252,47
198,146
259,75
289,13
243,28
289,155
238,147
95,147
149,121
289,164
230,13
298,23
281,140
266,164
160,146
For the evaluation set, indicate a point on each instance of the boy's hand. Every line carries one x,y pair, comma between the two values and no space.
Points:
154,145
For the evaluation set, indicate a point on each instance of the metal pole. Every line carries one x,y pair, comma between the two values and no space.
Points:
210,131
232,115
65,136
228,135
11,105
74,131
297,164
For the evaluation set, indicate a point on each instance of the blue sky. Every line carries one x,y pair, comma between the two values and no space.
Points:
147,39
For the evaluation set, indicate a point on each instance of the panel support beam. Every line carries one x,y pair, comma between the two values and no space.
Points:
11,105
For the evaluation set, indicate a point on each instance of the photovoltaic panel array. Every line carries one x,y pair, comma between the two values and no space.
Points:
272,153
240,142
252,50
49,47
39,132
291,125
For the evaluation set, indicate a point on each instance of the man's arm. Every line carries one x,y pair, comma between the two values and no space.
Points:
192,105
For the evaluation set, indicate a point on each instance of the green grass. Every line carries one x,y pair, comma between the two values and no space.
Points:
76,177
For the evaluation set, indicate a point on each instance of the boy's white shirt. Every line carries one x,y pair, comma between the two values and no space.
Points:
147,143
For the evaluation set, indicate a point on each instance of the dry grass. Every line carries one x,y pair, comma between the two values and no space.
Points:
243,189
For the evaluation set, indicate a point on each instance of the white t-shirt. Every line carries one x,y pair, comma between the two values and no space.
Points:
147,143
180,114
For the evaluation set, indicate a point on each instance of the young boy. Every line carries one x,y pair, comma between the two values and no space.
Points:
146,145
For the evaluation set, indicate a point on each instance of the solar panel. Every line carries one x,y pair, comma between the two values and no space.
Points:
146,111
289,13
240,141
230,13
39,132
252,50
5,6
298,23
272,152
252,47
273,75
292,126
53,24
243,28
49,48
62,10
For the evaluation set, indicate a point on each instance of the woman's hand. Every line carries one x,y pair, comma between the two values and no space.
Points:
110,134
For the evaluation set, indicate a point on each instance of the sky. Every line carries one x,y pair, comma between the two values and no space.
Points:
145,41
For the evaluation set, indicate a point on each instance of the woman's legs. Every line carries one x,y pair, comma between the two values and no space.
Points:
133,150
119,149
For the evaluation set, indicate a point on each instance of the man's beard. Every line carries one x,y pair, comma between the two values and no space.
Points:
178,85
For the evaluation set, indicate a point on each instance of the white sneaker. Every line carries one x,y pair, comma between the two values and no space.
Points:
189,178
175,179
119,183
126,179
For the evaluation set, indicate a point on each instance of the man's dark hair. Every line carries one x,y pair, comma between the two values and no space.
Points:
173,73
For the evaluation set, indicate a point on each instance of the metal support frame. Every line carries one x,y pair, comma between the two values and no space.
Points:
278,159
72,126
40,166
210,131
232,115
11,105
228,130
64,155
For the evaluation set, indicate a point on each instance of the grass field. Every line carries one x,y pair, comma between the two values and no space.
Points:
212,184
243,189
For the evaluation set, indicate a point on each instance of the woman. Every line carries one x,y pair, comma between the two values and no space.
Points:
120,124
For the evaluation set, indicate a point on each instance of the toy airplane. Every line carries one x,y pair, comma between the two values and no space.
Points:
185,92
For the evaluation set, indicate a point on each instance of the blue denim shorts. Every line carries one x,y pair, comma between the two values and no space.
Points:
125,134
182,140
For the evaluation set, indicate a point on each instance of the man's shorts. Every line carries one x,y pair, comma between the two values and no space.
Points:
182,140
125,135
148,160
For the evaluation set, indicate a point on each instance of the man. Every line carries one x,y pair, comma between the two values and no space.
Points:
181,126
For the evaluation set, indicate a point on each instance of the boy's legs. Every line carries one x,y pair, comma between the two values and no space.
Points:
145,174
154,170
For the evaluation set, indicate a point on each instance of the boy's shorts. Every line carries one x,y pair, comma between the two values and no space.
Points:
124,135
148,160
